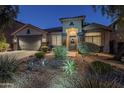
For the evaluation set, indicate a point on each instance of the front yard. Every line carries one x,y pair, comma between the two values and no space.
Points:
18,54
76,71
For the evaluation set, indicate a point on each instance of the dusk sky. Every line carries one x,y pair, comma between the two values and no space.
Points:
48,16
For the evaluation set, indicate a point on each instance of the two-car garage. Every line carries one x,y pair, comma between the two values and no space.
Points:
29,37
30,42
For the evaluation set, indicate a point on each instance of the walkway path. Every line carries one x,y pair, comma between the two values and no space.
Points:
72,54
18,54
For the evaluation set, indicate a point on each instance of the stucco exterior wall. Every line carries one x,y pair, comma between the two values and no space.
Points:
77,25
106,37
32,32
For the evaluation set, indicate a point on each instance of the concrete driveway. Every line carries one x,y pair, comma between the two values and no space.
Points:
18,54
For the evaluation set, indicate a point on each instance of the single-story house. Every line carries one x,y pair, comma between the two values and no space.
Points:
117,37
72,32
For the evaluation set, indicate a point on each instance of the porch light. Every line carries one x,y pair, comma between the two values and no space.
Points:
15,40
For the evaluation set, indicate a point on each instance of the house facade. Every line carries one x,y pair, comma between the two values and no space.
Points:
72,33
117,38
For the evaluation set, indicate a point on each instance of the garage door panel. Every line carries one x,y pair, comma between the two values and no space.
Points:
30,43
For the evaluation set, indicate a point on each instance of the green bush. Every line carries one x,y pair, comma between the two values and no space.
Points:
69,67
40,54
55,64
87,48
8,68
82,81
101,67
2,37
3,44
60,52
44,49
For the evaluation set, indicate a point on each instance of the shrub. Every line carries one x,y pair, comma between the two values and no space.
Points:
3,44
8,68
87,48
44,49
69,67
60,52
34,80
40,54
55,64
95,82
2,37
36,63
101,67
83,81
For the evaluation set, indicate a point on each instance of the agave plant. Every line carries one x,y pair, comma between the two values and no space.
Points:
69,67
8,67
39,54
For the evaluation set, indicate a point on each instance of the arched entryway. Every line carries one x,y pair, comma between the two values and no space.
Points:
72,39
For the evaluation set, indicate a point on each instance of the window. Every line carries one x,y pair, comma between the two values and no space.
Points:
28,31
93,38
71,24
97,40
88,39
56,40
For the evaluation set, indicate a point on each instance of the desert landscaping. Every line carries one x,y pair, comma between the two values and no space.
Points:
60,68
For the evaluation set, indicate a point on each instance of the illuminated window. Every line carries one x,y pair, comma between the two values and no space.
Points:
94,38
88,39
56,40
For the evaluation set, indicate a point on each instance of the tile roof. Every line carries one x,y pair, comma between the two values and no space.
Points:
27,25
54,29
73,17
96,26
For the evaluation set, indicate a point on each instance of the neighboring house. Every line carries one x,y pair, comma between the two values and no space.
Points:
72,32
117,38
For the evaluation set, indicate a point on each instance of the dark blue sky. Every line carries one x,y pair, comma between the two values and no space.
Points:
48,16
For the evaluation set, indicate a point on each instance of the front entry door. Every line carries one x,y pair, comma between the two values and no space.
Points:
72,43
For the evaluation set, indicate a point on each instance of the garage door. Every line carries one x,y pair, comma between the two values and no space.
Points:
30,42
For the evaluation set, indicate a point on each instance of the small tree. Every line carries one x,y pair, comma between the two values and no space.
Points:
7,15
